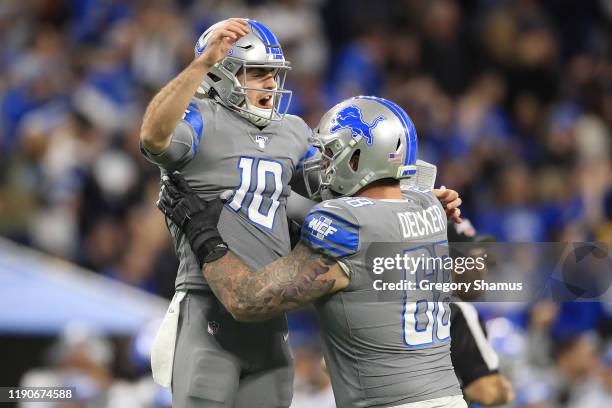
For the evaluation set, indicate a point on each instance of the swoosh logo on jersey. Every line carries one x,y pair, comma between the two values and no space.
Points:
328,205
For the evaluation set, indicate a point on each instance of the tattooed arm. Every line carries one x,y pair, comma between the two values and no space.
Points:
285,284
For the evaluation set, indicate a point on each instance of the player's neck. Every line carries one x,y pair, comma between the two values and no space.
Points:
381,192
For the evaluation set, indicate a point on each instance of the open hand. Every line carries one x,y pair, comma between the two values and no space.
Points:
224,34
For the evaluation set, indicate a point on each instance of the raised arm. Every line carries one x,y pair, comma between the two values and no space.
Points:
167,107
286,284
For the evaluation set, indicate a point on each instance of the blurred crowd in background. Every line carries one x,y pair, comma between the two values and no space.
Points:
512,100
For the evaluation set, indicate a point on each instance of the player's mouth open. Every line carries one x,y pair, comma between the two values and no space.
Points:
265,102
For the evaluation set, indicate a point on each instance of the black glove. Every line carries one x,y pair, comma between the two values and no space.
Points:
196,217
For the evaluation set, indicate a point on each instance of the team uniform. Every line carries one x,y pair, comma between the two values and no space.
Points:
385,348
219,362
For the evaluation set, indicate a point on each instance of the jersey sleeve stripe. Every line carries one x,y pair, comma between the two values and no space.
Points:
326,231
318,244
193,117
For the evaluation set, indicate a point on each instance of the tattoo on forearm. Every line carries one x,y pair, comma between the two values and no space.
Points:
283,285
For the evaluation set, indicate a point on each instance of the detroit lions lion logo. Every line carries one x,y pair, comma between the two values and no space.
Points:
351,117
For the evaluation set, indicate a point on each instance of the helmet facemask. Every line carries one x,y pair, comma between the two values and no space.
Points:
281,98
320,171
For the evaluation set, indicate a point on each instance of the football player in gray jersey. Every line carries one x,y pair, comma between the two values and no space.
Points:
222,123
382,348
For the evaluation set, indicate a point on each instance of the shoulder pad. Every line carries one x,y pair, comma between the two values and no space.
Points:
330,228
301,126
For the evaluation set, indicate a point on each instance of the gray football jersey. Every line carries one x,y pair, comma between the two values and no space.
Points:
385,346
217,150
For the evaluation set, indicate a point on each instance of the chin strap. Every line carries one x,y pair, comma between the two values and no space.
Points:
253,114
256,115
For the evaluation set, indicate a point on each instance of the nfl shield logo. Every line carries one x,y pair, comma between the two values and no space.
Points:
261,141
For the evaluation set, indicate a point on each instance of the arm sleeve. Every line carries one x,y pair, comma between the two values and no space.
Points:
298,207
185,142
331,230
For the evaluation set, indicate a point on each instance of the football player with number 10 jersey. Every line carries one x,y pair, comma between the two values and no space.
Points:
232,135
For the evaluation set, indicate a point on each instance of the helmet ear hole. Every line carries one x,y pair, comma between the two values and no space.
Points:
214,77
399,143
354,161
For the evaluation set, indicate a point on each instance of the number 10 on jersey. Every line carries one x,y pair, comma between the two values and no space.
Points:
257,188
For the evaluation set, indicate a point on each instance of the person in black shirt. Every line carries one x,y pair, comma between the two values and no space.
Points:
476,363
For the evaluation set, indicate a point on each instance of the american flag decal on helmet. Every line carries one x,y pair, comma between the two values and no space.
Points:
395,158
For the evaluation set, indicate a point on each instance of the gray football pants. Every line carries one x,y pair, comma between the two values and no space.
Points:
222,363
